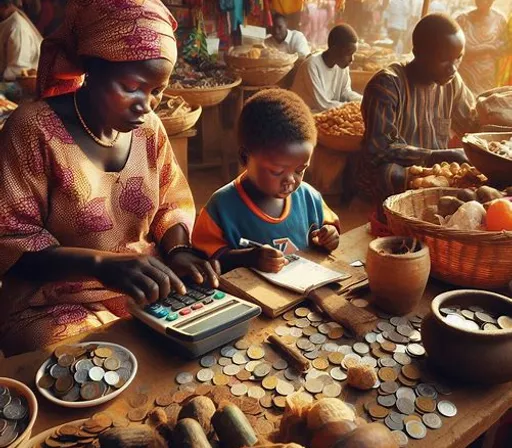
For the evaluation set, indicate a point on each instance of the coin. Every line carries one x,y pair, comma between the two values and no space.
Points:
336,358
279,402
377,411
338,374
266,401
46,381
63,384
262,370
270,382
314,386
332,390
385,326
404,330
208,361
231,369
256,392
426,404
387,401
336,333
426,390
388,347
137,415
281,330
405,406
387,374
242,344
387,362
255,352
244,375
240,358
416,430
314,317
96,373
251,365
291,374
309,331
351,360
111,363
432,421
320,363
90,390
317,339
505,322
294,333
239,390
15,411
284,388
220,379
103,352
406,392
138,400
400,438
415,350
228,351
302,323
369,361
392,424
111,378
280,364
447,408
361,348
204,375
402,358
411,372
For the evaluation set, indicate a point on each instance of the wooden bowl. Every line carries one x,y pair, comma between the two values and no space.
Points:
207,97
343,143
482,357
32,406
497,168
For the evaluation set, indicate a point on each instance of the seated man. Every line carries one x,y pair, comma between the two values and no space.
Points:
323,80
410,109
285,40
20,42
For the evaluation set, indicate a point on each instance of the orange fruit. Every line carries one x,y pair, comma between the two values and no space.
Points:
499,215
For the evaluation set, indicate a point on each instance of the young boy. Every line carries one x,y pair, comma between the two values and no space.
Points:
268,203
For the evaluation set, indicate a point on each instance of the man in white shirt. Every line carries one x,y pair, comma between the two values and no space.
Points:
397,18
323,80
438,7
20,42
285,40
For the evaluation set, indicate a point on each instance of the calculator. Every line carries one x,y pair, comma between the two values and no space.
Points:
199,321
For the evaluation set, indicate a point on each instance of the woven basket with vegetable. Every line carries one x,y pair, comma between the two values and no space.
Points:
474,258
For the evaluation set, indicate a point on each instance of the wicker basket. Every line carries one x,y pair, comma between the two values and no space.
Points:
207,97
262,76
344,143
182,123
242,63
497,168
477,259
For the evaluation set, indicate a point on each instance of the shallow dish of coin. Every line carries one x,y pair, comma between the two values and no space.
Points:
86,374
18,412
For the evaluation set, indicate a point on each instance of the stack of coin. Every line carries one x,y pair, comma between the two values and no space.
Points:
475,318
84,435
86,372
14,415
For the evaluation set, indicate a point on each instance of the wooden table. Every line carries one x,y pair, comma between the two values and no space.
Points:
478,408
179,144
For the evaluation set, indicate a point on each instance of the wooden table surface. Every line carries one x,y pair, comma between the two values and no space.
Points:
478,408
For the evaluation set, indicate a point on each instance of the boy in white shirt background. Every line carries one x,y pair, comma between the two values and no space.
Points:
285,40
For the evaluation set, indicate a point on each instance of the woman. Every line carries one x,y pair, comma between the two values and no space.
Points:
485,29
91,191
505,64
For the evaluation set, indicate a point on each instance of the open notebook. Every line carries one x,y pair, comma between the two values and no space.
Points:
302,275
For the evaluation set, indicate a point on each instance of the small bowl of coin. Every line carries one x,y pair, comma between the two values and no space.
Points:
86,374
18,412
468,336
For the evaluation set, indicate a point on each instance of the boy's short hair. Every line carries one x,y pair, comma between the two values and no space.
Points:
342,36
432,30
274,117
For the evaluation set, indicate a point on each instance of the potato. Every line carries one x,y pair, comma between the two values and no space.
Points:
466,195
430,214
448,205
486,194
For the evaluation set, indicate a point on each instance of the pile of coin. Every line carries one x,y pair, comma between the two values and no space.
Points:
475,318
86,372
14,415
85,434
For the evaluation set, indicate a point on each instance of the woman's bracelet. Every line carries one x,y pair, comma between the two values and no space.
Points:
179,248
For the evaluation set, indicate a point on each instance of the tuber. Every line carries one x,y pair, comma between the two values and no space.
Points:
328,410
486,194
189,434
136,436
373,435
200,409
466,195
448,205
330,433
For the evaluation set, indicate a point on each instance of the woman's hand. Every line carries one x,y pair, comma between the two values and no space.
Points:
327,237
144,278
267,259
189,263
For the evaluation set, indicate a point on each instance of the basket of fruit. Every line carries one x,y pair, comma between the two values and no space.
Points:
491,153
468,231
341,128
177,115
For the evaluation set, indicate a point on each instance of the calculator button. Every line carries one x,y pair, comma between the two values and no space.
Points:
197,306
208,301
177,306
172,316
219,295
188,300
195,295
185,311
206,291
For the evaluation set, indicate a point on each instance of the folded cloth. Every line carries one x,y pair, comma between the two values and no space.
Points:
494,107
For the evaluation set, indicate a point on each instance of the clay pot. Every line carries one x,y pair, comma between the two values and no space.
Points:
473,356
398,281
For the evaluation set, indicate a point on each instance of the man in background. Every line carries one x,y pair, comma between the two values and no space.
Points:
323,80
285,40
20,42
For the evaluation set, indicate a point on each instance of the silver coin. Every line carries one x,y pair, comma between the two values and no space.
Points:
406,392
239,390
388,401
291,374
81,376
447,408
302,323
405,406
426,390
96,373
126,365
262,370
432,421
184,378
303,343
3,425
389,387
240,359
124,373
280,364
284,388
404,330
400,438
332,390
317,338
484,318
282,330
224,361
231,369
313,374
208,361
350,357
370,338
228,351
392,424
338,374
361,348
396,416
84,364
5,400
9,435
490,327
256,392
251,365
324,328
314,317
473,326
205,375
447,311
15,411
397,338
455,320
369,361
415,336
73,395
380,338
476,309
312,355
295,332
385,326
387,362
57,371
402,358
314,386
443,389
330,347
468,314
416,430
111,378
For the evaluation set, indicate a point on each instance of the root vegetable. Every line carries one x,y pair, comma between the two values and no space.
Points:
331,432
189,434
200,409
328,410
448,205
373,435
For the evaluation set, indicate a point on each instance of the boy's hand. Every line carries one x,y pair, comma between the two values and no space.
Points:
327,237
268,259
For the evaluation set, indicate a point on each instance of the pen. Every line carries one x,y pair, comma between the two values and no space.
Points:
244,242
